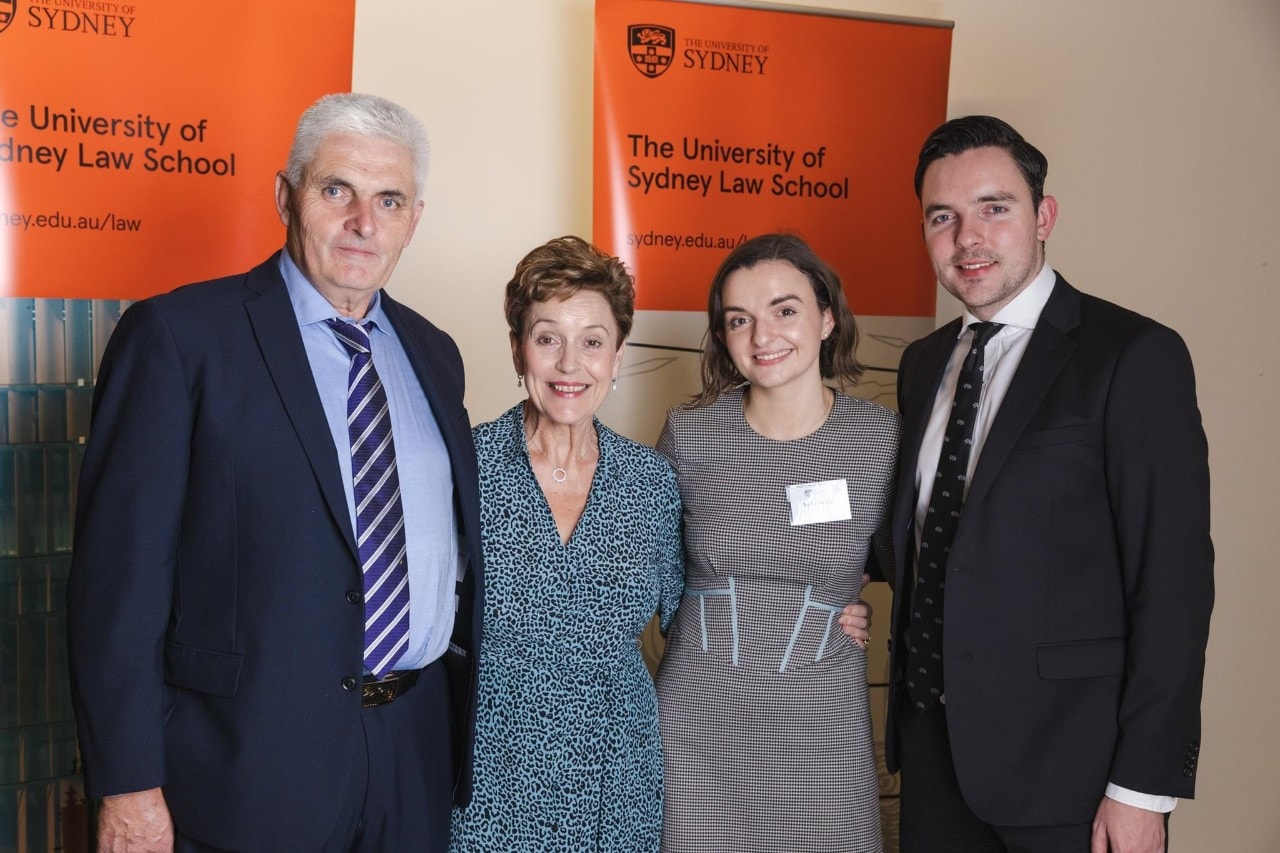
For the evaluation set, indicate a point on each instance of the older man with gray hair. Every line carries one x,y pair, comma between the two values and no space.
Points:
274,604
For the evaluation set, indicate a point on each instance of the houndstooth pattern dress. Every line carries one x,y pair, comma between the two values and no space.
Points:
763,700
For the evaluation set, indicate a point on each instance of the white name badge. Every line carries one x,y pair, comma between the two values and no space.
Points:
815,502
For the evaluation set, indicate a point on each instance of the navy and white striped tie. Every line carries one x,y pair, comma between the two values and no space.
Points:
379,512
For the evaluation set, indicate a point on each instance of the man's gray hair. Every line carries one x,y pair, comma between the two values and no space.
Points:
362,115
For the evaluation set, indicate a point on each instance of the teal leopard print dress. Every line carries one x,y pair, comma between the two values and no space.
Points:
568,751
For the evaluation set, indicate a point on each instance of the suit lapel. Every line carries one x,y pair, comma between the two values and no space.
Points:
275,327
420,351
915,399
455,429
932,363
443,388
1050,347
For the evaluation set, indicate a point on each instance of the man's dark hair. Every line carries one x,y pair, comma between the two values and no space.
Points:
965,134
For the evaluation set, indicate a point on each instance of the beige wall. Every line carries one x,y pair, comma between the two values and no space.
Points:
1161,121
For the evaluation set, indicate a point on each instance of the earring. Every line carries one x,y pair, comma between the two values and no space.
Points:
519,380
615,383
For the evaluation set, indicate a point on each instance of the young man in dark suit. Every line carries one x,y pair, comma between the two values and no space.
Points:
274,604
1055,571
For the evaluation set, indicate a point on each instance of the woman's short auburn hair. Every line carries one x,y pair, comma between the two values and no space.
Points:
564,267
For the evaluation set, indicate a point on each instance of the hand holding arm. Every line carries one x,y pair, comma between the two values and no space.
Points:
855,619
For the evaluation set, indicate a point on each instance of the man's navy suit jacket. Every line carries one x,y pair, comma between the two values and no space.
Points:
214,647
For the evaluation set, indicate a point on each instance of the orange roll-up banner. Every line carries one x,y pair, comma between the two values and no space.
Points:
716,123
139,140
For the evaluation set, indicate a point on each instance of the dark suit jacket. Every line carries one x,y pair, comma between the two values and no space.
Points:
212,645
1080,581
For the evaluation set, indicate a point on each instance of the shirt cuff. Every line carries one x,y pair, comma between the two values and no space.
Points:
1150,802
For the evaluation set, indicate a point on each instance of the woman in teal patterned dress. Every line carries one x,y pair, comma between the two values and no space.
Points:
581,534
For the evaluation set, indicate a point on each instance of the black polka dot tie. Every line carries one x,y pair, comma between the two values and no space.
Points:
924,654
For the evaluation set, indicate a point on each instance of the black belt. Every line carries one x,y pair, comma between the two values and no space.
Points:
376,692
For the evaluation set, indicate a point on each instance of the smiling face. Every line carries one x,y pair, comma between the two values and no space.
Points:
984,236
350,218
773,327
569,354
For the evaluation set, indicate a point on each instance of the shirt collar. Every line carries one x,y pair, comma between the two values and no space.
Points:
1023,311
310,307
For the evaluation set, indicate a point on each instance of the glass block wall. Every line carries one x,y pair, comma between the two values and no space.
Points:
49,353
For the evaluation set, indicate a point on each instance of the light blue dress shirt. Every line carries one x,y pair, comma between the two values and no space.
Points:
422,460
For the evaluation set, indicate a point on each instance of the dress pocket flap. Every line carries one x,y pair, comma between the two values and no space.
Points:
1081,659
215,673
